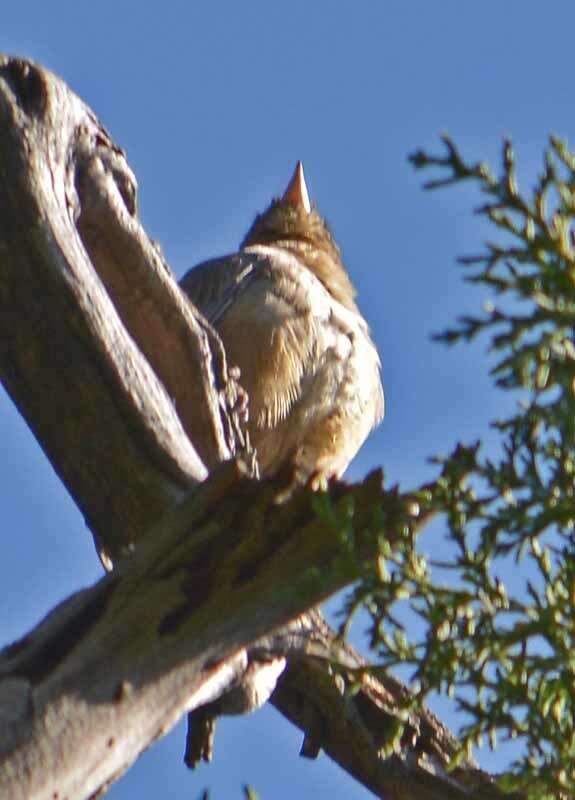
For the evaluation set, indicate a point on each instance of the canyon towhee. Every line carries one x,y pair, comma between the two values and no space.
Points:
285,309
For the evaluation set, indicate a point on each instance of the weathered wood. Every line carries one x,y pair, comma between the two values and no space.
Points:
73,331
353,716
167,328
115,666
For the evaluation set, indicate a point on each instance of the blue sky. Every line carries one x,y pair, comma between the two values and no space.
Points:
214,102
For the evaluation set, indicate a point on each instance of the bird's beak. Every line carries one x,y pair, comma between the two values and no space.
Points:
296,193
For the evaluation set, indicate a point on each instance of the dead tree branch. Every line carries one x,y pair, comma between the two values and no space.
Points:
115,666
92,350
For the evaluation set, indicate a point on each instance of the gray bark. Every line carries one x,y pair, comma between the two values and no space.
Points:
115,666
94,328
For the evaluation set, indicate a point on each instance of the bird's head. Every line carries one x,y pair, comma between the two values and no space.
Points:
290,222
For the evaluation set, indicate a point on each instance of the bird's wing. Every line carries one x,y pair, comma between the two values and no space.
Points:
268,319
213,285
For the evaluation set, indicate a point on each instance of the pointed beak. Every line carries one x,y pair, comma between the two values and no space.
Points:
296,193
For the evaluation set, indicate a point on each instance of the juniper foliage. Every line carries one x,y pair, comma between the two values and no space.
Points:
503,649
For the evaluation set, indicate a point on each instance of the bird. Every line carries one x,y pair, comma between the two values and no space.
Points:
285,309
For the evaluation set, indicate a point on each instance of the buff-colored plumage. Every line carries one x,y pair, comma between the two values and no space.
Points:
285,309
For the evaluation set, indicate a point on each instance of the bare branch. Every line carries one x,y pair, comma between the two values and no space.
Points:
354,718
115,666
